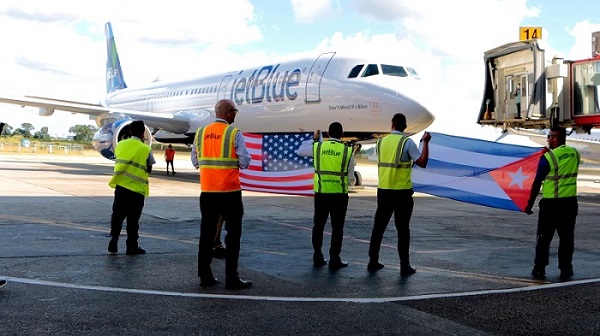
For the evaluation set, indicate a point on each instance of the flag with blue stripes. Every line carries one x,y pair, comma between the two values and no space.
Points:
477,171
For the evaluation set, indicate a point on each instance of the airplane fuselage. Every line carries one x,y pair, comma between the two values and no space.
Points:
301,95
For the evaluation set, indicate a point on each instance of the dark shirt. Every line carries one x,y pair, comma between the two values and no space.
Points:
542,170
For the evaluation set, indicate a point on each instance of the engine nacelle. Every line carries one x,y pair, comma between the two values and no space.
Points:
110,134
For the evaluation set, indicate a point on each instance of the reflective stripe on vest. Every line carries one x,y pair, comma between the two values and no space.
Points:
218,162
331,166
393,173
131,166
561,181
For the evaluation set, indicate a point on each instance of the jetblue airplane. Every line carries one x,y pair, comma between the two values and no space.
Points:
282,97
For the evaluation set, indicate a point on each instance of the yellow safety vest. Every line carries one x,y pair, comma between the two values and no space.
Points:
331,159
561,181
131,166
217,160
392,171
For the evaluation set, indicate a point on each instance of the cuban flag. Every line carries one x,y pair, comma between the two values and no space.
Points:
275,167
478,171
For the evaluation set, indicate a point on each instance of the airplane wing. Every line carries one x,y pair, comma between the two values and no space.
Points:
589,150
176,123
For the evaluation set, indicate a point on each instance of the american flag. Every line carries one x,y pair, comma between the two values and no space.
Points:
275,166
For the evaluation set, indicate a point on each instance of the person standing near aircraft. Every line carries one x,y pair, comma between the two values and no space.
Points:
133,163
221,153
557,174
396,154
169,157
334,169
518,100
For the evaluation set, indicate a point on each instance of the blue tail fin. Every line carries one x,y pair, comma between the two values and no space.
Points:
114,74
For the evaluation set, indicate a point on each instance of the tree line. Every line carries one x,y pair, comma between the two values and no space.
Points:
81,132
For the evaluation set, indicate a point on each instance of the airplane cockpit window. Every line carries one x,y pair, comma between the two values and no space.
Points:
371,70
413,73
393,70
355,71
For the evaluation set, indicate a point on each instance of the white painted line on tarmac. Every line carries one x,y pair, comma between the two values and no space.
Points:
300,299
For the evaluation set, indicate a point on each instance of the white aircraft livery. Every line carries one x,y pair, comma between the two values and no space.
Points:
283,97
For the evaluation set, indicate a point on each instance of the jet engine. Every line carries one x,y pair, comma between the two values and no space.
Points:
111,133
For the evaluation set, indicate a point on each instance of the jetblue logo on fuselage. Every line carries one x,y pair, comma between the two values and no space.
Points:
266,84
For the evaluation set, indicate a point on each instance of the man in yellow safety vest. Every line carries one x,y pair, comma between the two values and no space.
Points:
133,163
557,175
396,155
334,171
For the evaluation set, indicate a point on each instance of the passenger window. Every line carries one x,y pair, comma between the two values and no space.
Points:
355,71
371,70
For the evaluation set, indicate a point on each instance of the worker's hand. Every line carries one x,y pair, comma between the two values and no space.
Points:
528,210
426,137
317,135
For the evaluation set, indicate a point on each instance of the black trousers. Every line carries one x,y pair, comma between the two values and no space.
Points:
556,215
400,203
212,206
334,205
127,204
170,162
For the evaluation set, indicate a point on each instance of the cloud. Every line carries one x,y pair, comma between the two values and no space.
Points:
582,33
310,11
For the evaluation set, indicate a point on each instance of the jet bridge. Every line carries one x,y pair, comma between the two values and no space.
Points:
523,91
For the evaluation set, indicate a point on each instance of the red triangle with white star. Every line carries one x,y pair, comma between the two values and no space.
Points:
516,178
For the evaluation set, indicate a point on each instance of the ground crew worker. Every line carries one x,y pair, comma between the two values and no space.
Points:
221,152
133,163
557,173
169,157
334,169
396,153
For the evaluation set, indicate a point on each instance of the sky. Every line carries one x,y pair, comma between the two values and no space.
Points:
57,48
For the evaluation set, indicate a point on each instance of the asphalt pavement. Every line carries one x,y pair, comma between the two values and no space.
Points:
473,264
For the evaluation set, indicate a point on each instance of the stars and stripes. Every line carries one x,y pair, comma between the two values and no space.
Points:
275,166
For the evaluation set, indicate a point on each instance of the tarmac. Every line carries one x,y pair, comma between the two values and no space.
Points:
473,263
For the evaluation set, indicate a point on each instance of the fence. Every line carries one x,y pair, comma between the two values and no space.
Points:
41,147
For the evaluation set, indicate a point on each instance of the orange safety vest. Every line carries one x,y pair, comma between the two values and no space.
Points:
218,162
169,154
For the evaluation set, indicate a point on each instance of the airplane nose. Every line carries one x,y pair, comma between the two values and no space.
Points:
418,117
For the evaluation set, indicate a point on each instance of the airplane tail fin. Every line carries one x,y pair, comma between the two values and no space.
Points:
114,74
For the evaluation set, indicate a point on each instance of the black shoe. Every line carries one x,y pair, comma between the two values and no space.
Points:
538,274
566,275
374,266
3,283
112,246
219,252
238,284
134,251
407,270
319,262
173,173
208,282
336,265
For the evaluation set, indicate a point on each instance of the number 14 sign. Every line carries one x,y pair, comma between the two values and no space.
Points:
530,33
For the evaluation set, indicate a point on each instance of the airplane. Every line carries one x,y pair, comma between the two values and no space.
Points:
588,144
292,96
